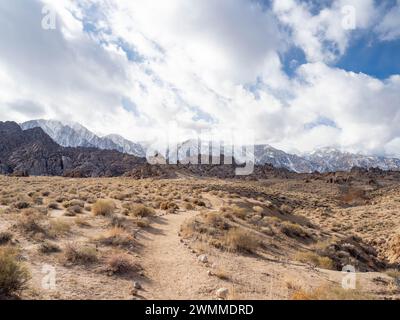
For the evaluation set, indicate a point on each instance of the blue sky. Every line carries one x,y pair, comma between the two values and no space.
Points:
289,70
380,59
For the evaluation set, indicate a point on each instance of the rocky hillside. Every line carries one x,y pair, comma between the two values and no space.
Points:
33,152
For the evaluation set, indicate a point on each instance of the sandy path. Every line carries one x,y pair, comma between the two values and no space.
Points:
172,271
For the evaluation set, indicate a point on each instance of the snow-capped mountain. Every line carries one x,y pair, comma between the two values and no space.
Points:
322,160
326,159
264,154
127,145
71,134
332,159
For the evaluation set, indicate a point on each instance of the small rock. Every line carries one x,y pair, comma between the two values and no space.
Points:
134,292
209,273
203,258
222,293
137,285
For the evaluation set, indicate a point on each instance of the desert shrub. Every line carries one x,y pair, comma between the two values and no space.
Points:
74,202
13,275
30,223
119,196
118,222
38,200
393,273
60,199
143,223
238,212
215,220
80,255
329,293
91,200
120,264
116,237
238,239
315,259
221,274
258,209
168,205
5,237
47,247
59,227
22,205
285,208
188,206
199,202
53,205
74,210
294,230
351,195
140,210
82,222
103,207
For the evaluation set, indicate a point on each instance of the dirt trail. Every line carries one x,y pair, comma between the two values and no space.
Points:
172,271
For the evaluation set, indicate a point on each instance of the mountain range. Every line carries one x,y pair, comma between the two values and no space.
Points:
326,159
70,134
34,152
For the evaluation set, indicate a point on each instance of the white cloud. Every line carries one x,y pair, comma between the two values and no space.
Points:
201,64
389,27
323,36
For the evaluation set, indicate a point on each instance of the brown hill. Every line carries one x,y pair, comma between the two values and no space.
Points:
33,152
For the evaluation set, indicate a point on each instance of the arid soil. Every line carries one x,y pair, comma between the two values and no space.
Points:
198,238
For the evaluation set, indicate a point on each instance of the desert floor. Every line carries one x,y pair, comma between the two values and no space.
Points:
193,238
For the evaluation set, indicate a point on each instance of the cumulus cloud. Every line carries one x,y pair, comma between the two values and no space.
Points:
133,67
324,36
389,27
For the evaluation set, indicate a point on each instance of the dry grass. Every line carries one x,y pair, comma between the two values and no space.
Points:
80,255
74,202
329,293
221,274
394,273
5,237
73,211
53,206
238,212
103,207
47,247
22,205
143,223
29,223
188,206
238,239
13,274
116,237
315,260
215,220
140,210
82,222
351,195
294,230
59,227
120,263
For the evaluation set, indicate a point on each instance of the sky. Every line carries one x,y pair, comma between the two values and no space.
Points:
301,74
